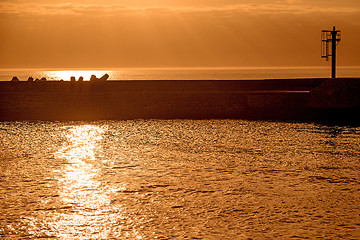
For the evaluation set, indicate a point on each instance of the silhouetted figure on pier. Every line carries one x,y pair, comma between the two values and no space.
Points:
81,79
30,79
15,79
72,79
43,79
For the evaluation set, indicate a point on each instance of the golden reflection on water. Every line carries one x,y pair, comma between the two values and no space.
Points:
79,184
79,188
179,179
86,204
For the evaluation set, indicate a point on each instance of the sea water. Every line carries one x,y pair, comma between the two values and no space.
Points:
180,73
179,179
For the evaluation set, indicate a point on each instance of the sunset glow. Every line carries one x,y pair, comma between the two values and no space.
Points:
176,33
66,75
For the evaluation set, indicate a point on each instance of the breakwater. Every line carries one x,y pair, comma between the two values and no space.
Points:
276,99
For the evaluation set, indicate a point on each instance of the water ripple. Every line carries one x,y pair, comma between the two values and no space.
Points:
178,179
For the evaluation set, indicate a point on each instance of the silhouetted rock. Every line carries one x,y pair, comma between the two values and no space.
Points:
30,79
104,78
43,79
93,78
15,79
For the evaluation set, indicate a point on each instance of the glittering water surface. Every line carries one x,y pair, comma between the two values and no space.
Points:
178,179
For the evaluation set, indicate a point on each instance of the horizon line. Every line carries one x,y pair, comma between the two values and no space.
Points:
164,68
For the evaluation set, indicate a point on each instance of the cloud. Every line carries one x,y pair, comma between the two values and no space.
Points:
58,9
288,9
248,34
282,7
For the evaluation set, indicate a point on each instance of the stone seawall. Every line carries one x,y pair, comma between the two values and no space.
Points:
336,93
255,99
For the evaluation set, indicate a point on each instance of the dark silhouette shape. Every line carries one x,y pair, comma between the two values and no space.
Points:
315,99
43,79
104,78
37,80
81,79
334,41
328,38
72,79
93,78
30,79
15,79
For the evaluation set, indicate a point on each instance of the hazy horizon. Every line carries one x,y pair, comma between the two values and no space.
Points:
84,34
172,68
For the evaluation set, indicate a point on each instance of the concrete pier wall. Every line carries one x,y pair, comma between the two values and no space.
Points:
262,99
336,93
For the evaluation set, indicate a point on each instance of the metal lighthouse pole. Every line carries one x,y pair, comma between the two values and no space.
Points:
330,37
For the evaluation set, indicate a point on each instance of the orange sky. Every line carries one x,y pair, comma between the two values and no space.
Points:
174,33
